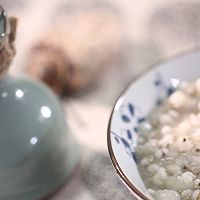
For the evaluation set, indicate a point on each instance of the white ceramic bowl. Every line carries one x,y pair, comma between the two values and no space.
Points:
132,108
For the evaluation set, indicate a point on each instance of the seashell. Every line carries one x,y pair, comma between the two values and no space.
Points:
50,65
76,51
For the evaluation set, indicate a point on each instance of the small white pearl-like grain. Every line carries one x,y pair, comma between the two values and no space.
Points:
194,120
153,168
177,100
192,103
182,182
186,180
179,162
166,195
150,191
159,177
166,130
150,159
184,126
165,119
195,134
186,194
173,113
196,195
158,154
188,87
173,169
147,161
187,176
173,153
184,144
150,146
166,140
144,162
173,183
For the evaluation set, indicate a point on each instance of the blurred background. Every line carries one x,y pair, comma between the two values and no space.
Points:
87,51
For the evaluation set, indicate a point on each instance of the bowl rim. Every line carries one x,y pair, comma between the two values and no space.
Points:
114,161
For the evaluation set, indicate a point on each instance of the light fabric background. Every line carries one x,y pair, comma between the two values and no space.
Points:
153,30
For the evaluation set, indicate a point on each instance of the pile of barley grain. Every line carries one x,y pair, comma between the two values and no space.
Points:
169,146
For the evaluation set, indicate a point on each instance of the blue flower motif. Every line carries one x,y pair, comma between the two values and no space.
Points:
141,120
131,113
131,109
126,143
170,90
134,157
135,129
117,139
125,118
163,90
157,82
159,102
129,134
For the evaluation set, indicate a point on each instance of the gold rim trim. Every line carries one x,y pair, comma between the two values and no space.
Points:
117,166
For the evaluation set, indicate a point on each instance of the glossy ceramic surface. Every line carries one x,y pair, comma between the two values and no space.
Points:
4,26
37,152
132,108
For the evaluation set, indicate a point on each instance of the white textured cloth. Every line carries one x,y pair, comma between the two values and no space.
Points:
153,30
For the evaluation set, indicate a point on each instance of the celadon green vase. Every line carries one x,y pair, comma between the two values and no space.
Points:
37,150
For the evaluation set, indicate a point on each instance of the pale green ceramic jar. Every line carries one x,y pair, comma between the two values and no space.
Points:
37,151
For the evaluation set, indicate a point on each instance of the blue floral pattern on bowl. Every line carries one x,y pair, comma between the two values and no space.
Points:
163,90
130,112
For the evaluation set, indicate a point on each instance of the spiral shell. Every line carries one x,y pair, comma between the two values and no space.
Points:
76,51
